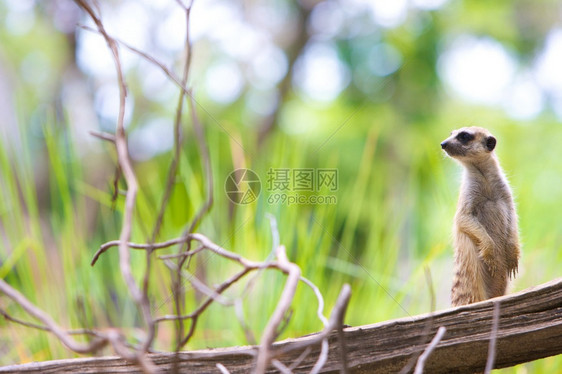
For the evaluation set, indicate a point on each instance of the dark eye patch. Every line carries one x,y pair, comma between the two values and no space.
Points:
464,137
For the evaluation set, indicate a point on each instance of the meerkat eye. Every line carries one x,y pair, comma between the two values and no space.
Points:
464,137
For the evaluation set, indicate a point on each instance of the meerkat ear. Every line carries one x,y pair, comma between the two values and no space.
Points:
490,143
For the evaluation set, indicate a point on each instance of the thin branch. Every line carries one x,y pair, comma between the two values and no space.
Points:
276,242
318,294
301,357
200,286
264,351
36,326
281,367
493,337
424,356
178,134
343,346
48,323
103,136
204,150
222,369
178,139
206,159
132,185
114,243
224,286
239,311
428,327
322,358
335,317
183,254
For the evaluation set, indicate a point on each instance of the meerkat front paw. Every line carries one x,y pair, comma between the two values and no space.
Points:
512,261
490,264
487,256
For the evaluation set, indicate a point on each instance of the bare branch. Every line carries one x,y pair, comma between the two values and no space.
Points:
205,242
428,327
239,311
204,149
178,134
493,337
183,254
281,367
336,316
222,369
318,294
423,358
322,358
36,326
48,323
132,185
221,288
276,242
103,136
114,243
283,305
301,357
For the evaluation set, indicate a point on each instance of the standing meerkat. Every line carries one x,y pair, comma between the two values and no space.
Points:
486,236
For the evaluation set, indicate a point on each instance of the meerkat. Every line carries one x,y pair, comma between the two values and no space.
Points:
486,237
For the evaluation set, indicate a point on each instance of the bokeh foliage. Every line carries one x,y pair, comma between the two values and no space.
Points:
395,200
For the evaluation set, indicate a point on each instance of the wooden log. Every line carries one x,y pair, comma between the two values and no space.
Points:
530,328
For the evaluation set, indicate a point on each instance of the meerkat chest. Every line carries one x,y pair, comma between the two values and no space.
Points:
489,203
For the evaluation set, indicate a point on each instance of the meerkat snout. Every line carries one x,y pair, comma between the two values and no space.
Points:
468,143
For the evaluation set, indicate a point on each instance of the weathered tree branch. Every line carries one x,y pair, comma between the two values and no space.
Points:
48,323
530,326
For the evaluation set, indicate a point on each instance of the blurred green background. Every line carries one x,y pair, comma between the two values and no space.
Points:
369,88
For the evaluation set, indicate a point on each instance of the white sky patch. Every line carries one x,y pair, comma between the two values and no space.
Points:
268,67
212,15
524,100
262,102
93,55
388,13
155,85
223,23
224,82
478,69
152,138
128,23
428,4
36,68
320,74
160,4
549,63
20,19
107,105
327,19
239,40
384,59
272,17
170,35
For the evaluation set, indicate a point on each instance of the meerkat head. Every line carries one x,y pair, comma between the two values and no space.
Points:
469,144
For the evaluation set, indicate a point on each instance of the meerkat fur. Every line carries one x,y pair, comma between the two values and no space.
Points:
486,237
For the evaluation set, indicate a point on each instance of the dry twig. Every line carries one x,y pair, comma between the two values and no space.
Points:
126,167
48,323
424,356
493,337
266,354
